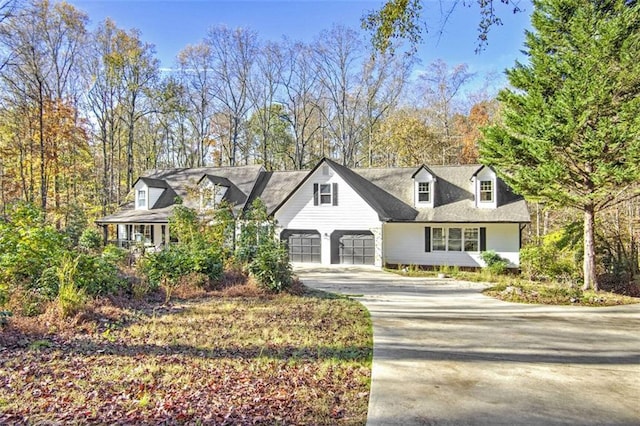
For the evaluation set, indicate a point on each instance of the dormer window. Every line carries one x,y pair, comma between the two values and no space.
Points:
211,196
486,191
424,192
142,198
424,182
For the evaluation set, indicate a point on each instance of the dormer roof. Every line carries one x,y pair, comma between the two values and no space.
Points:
482,167
425,168
152,183
216,180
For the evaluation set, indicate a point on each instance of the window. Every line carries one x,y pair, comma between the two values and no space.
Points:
455,239
486,191
424,192
325,193
142,198
471,239
209,197
438,241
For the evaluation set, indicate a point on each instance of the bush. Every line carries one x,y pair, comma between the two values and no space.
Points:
90,239
552,259
495,263
28,246
71,299
271,266
164,268
114,254
98,276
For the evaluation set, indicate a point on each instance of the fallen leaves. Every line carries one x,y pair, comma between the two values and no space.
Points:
285,360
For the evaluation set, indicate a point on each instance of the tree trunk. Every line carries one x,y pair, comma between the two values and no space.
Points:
589,266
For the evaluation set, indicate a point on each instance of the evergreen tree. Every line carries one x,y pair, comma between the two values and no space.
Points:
570,134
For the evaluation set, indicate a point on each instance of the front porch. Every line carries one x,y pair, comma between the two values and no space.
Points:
132,235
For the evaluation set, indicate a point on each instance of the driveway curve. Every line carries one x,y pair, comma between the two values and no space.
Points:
444,354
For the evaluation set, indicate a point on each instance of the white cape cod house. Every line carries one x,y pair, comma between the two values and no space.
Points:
428,216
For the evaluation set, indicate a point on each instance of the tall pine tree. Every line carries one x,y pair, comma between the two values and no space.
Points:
571,129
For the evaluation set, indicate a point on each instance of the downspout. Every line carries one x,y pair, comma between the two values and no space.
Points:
522,226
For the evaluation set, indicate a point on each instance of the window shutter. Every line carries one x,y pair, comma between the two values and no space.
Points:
335,194
483,239
427,239
152,233
315,194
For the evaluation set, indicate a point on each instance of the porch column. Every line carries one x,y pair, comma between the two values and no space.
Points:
166,234
105,234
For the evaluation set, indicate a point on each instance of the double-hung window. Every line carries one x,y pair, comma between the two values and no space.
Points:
424,192
471,239
454,240
142,198
325,193
486,191
439,240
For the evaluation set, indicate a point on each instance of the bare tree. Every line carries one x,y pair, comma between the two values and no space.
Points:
233,53
440,89
302,93
195,63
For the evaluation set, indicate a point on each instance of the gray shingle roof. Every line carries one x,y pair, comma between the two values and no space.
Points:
389,191
453,197
274,187
182,182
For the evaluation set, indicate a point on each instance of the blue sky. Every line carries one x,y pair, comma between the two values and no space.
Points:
172,24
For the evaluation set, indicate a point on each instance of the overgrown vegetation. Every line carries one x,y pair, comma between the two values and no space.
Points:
514,288
553,293
232,347
258,358
40,265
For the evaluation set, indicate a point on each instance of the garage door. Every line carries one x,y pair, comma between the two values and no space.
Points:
356,248
304,246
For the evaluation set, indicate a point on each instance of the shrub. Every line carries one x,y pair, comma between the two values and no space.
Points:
28,246
98,276
4,294
554,258
271,266
114,254
71,299
256,229
495,263
90,239
164,268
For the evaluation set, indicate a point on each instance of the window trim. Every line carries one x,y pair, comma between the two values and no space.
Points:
483,191
463,240
426,191
325,194
144,199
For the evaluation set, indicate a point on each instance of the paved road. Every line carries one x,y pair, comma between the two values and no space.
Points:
444,354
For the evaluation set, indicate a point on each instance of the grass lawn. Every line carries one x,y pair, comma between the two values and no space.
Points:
279,359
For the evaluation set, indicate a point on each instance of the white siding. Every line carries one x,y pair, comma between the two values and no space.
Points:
424,176
141,186
154,194
404,243
351,213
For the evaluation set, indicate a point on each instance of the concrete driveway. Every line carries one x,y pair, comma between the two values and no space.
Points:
444,354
